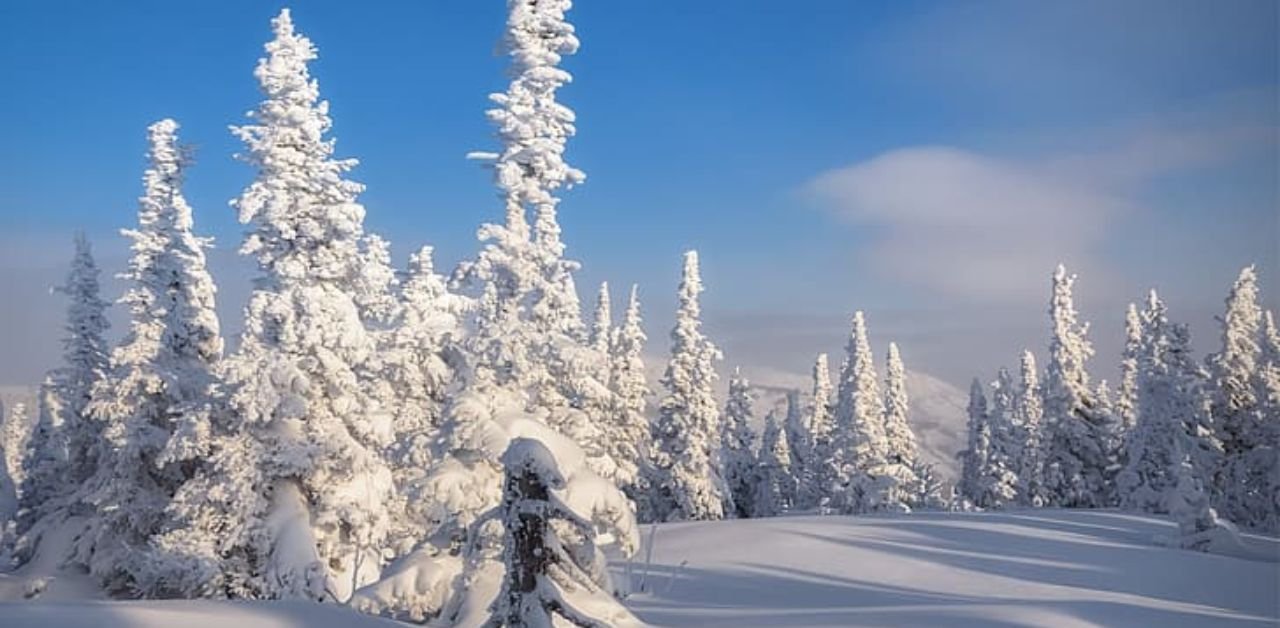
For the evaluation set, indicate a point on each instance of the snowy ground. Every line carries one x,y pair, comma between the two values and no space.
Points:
1037,568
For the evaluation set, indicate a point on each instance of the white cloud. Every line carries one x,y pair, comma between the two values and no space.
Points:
969,225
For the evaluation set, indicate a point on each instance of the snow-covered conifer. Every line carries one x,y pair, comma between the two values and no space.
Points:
420,360
628,427
1127,403
64,445
811,446
15,436
1028,414
998,479
1233,367
602,323
738,460
689,484
977,443
864,476
1079,443
1173,418
775,482
159,376
902,441
293,504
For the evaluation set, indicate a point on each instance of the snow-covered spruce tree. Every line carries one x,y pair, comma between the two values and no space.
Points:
159,375
420,362
1264,463
1079,437
293,503
811,446
1126,407
901,440
602,322
774,486
998,478
688,483
1028,413
627,426
64,447
1232,369
14,439
1241,488
543,580
868,481
973,458
536,301
737,439
1173,418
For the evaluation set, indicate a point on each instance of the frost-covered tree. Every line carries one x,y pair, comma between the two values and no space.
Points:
64,446
543,579
602,322
973,458
1242,385
1127,404
902,449
688,484
997,477
811,446
1233,367
420,359
737,459
1028,413
774,481
159,375
627,426
902,441
1173,418
1079,436
865,477
293,503
15,435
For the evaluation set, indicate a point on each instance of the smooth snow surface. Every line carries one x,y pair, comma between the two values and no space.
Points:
1029,568
184,614
1022,568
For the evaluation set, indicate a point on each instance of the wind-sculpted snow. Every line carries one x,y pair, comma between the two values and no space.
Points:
1019,568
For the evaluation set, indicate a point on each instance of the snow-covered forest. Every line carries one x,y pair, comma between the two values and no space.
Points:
476,446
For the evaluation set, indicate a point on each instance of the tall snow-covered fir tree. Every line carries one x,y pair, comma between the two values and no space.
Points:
159,375
902,449
866,479
1243,489
1233,367
15,436
292,505
973,458
64,451
1079,435
1029,412
1173,418
997,477
811,446
688,484
420,361
601,331
627,426
1126,406
737,458
774,486
533,332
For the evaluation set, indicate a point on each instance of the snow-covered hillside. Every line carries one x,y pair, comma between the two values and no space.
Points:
1032,568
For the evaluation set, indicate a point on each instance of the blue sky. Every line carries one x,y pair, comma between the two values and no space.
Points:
927,162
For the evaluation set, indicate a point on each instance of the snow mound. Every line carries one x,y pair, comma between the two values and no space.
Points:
195,613
1028,568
